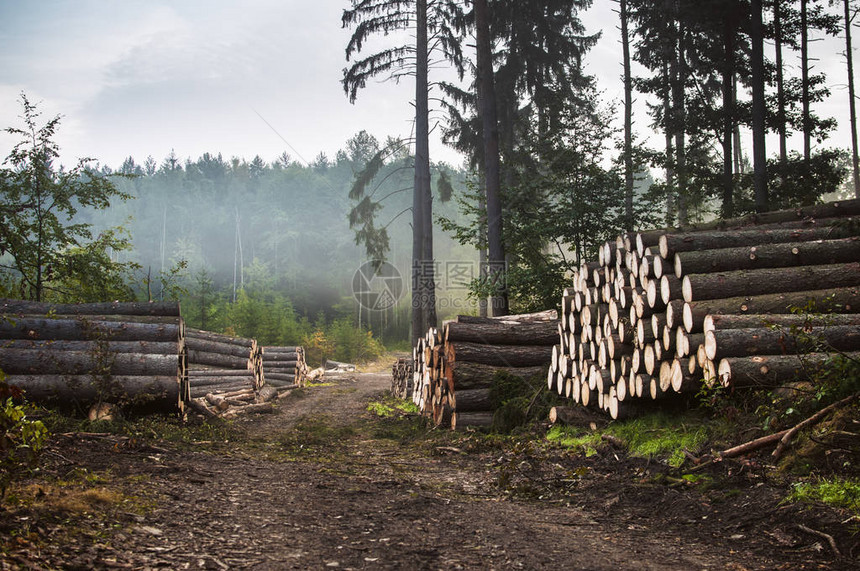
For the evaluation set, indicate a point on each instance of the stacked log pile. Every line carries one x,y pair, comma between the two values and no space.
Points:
130,353
284,366
454,369
222,363
660,311
401,378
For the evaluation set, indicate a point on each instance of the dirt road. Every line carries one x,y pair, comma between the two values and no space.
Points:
323,483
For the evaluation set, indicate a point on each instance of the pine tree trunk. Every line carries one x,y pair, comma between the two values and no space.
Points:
628,120
758,108
852,103
496,250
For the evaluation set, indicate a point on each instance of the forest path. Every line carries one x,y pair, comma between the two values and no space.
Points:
324,483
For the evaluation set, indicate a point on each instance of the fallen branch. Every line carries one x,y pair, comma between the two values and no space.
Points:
827,537
786,439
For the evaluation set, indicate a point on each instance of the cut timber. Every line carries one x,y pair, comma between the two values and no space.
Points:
769,280
575,416
743,321
499,355
106,347
826,214
771,370
463,420
473,400
768,256
46,362
109,308
67,389
548,315
504,332
76,329
723,343
837,300
208,346
192,333
670,244
218,360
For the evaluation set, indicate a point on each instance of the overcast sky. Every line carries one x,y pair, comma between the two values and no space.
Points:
141,77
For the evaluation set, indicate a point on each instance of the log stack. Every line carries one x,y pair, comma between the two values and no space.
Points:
401,378
222,363
129,353
661,311
454,370
284,366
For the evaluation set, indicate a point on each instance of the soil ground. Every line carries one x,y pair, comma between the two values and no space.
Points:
325,483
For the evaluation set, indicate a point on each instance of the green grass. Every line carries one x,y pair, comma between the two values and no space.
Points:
836,492
656,435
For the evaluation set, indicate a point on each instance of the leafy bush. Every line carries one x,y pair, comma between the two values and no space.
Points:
21,439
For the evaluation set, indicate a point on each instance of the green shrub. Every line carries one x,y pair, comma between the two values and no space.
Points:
21,439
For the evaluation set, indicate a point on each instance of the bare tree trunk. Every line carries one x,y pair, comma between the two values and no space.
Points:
855,161
780,84
804,82
758,109
728,111
492,167
628,120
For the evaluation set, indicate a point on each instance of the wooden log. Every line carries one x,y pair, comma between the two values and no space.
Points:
208,346
86,389
836,300
215,381
671,244
76,329
286,377
499,355
575,416
219,360
202,373
158,319
768,256
670,289
771,370
504,333
108,308
47,362
816,215
769,280
464,420
723,343
282,349
473,400
547,315
743,321
192,333
105,347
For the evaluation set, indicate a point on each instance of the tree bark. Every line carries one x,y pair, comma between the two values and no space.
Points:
499,355
73,329
163,390
759,110
219,360
463,420
771,370
723,343
201,345
741,321
48,362
95,347
699,287
852,103
768,256
474,400
464,375
836,300
670,244
504,333
108,308
492,168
